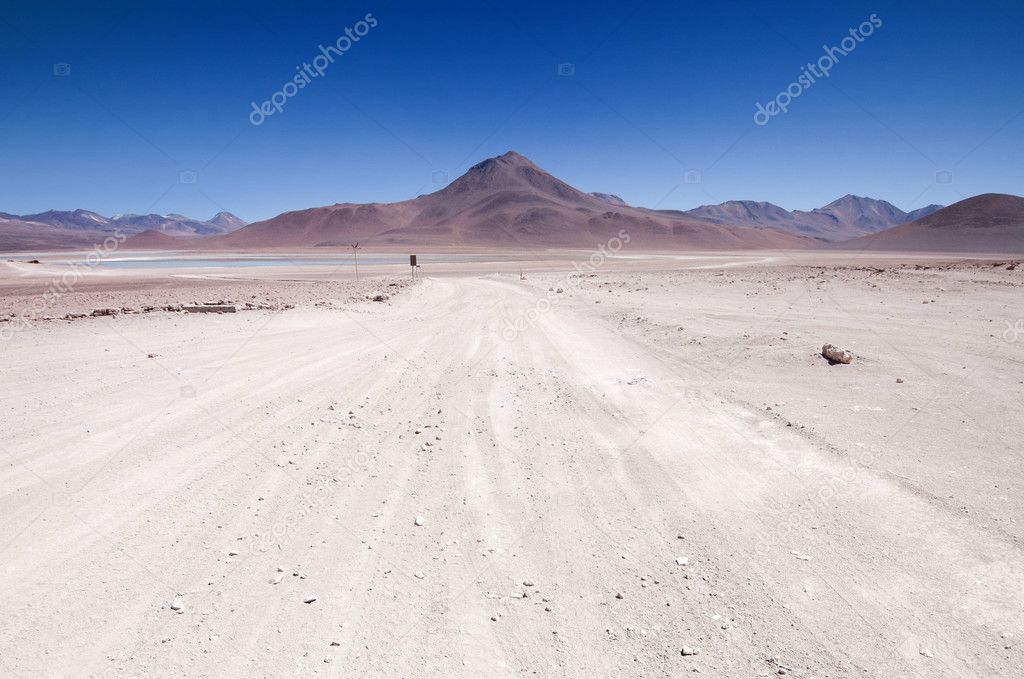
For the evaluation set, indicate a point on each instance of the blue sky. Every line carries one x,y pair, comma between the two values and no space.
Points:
661,93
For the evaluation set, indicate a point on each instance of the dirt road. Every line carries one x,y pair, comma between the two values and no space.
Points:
589,506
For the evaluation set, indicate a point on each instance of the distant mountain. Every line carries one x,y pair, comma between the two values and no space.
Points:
77,219
56,229
610,198
505,201
842,219
991,222
177,225
920,212
753,214
226,222
867,215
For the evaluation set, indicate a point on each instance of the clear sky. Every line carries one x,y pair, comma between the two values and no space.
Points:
659,93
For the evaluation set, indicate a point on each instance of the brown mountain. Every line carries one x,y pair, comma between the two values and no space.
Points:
501,202
991,222
17,234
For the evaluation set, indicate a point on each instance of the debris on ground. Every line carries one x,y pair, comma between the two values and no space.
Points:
836,355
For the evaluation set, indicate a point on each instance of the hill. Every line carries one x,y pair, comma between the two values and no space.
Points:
991,222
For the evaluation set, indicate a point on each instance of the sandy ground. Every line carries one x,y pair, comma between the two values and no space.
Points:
653,458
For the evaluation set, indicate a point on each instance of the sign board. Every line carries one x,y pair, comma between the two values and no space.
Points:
412,260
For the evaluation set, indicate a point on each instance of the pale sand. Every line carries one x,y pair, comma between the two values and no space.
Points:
832,518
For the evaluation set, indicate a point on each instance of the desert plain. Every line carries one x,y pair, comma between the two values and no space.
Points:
519,465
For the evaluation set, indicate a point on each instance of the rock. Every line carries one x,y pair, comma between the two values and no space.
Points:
233,553
419,575
559,291
380,297
836,355
927,653
418,521
106,311
618,595
527,583
899,380
682,561
689,651
309,600
276,580
150,355
210,308
178,605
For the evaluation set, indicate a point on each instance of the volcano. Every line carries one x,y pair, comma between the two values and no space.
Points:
506,201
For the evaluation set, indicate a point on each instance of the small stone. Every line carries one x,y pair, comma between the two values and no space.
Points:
177,604
899,380
419,575
618,595
309,600
277,579
682,561
527,583
689,651
926,652
232,553
419,521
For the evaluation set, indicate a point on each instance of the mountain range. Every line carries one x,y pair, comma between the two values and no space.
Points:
990,222
842,219
83,228
508,201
